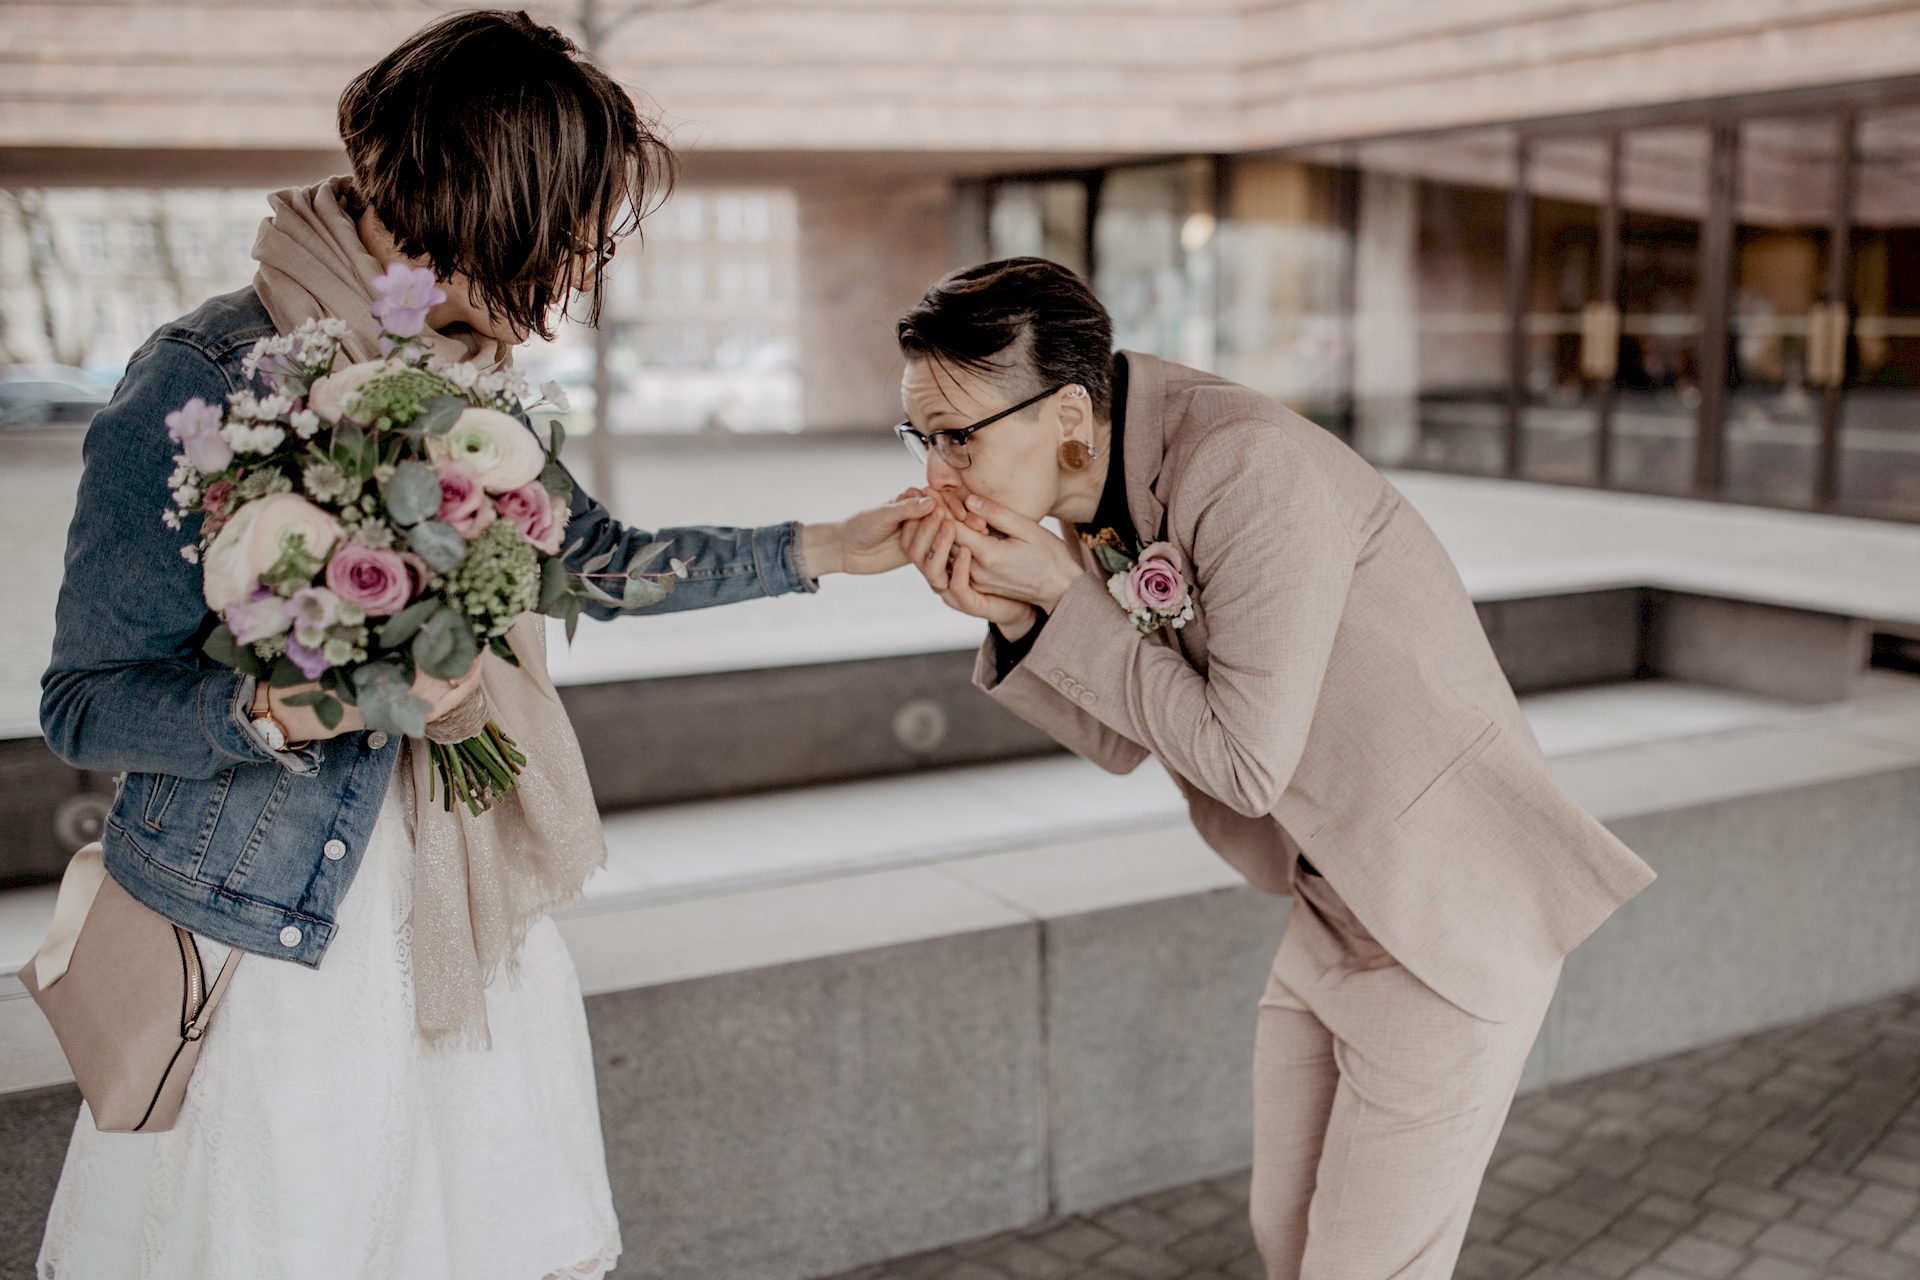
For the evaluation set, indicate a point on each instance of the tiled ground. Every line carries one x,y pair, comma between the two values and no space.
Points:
1789,1155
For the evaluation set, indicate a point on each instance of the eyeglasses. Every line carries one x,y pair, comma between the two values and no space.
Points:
952,445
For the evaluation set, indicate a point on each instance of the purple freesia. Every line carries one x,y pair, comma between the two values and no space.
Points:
195,427
310,661
406,295
257,615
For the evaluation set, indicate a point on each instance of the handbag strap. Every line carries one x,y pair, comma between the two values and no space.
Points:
198,1027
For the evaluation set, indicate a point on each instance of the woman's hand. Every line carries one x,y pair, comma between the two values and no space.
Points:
867,542
303,725
1013,557
929,544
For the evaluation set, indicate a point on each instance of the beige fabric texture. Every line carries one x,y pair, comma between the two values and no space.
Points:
1335,695
1376,1105
480,882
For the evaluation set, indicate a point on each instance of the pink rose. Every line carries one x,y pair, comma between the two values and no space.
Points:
463,503
1155,581
530,507
214,500
371,577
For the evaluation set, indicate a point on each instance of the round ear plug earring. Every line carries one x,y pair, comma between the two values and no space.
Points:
1075,456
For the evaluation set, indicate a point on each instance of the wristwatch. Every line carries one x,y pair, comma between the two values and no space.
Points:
271,731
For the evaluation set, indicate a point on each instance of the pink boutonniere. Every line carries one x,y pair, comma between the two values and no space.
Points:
1148,583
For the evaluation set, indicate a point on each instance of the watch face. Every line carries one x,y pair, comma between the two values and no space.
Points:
270,734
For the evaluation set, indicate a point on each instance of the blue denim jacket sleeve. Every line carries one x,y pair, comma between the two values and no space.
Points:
128,688
723,566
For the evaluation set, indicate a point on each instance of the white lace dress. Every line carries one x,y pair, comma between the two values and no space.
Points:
320,1140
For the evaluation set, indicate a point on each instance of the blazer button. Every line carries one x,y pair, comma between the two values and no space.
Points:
290,937
1058,675
1086,699
335,850
376,740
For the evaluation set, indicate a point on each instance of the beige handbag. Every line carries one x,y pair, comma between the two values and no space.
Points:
127,996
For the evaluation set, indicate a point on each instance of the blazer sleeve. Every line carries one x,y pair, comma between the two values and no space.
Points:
1272,554
1053,713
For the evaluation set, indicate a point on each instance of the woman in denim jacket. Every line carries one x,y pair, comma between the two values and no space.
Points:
320,1136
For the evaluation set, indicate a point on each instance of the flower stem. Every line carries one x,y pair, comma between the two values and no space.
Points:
477,771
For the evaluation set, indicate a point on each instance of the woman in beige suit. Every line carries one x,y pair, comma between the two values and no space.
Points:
1243,597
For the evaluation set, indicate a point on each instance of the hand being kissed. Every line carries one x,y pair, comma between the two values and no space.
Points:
988,561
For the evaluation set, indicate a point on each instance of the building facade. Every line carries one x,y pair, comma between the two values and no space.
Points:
1665,245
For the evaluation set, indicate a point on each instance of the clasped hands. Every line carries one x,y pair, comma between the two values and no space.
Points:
985,560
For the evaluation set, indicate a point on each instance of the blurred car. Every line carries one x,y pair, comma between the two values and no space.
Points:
45,395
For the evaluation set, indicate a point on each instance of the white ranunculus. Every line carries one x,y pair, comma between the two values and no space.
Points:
332,396
249,544
496,448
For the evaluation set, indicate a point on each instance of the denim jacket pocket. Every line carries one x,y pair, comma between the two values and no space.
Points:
160,789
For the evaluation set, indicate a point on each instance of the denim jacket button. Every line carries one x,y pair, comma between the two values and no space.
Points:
335,850
290,936
375,741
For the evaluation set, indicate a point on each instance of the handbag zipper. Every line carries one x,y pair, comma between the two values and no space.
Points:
190,957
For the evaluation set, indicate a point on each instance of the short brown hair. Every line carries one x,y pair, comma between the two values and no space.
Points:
1027,311
491,147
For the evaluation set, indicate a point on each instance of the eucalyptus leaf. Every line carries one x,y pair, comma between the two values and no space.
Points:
598,562
341,682
385,702
1110,560
439,544
224,649
325,705
555,480
439,414
413,494
556,436
591,588
348,444
400,627
645,556
573,609
553,584
445,647
286,673
642,592
503,651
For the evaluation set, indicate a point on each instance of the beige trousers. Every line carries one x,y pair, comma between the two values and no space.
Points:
1376,1105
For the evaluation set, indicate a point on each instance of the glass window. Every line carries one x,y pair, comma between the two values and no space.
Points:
1040,220
1153,259
1429,359
1568,181
1788,172
703,321
1880,414
1663,199
1284,260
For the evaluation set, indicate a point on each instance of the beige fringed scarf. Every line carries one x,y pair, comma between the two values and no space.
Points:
479,883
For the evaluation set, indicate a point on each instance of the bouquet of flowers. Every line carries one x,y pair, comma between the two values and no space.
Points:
362,523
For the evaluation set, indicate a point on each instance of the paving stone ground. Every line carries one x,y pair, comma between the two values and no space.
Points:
1793,1154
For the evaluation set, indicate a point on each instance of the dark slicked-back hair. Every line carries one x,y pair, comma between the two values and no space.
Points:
491,147
1025,318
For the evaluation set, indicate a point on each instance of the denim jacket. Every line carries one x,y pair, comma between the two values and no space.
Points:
210,829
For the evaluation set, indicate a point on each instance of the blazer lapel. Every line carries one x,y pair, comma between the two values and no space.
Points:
1145,444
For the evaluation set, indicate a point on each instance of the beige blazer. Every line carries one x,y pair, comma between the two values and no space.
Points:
1334,696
